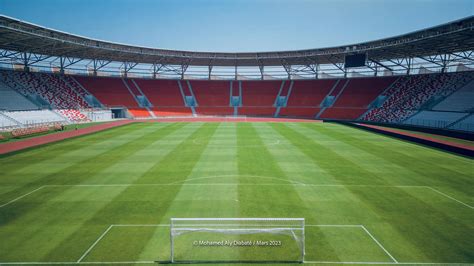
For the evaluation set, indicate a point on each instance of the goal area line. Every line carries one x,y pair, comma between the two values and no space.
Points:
362,227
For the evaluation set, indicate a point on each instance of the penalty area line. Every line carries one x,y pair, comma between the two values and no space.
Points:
20,197
449,197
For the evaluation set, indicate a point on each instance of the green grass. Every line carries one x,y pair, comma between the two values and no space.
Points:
416,202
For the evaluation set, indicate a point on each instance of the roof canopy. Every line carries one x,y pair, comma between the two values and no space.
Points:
20,36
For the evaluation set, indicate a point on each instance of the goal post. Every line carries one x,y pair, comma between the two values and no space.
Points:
237,240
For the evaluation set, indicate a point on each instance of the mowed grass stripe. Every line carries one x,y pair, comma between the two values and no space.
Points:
150,205
48,151
25,170
455,172
60,175
318,200
274,201
89,231
457,178
33,227
391,203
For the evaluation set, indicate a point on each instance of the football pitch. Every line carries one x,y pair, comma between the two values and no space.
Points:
108,197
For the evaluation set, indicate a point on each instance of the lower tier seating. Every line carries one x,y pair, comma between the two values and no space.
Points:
466,124
257,111
7,123
139,112
434,119
35,117
74,115
342,113
172,111
306,112
215,111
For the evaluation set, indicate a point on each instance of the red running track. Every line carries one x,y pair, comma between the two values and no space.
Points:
36,141
445,142
231,119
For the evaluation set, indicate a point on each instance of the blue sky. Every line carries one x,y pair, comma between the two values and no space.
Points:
240,25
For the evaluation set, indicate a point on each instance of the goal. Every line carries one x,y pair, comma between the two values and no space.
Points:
237,240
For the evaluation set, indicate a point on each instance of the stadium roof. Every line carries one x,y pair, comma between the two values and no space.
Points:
20,36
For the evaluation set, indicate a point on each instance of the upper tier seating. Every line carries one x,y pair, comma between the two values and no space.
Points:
211,93
52,89
109,91
12,100
434,119
260,93
35,117
49,87
76,86
161,92
410,93
309,93
360,92
461,100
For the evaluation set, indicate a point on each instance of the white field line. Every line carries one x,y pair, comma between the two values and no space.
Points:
378,243
386,263
306,262
95,243
447,196
20,197
79,262
76,263
292,183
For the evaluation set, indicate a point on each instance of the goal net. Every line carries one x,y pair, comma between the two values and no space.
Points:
237,239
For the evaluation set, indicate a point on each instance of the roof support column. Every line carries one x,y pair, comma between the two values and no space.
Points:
209,72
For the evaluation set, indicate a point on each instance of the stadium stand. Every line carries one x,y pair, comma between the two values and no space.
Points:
172,111
342,113
465,124
7,122
259,93
211,93
304,112
433,100
76,86
12,100
360,92
410,93
162,92
35,117
434,119
52,90
461,100
257,111
215,111
353,99
309,93
109,91
139,112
